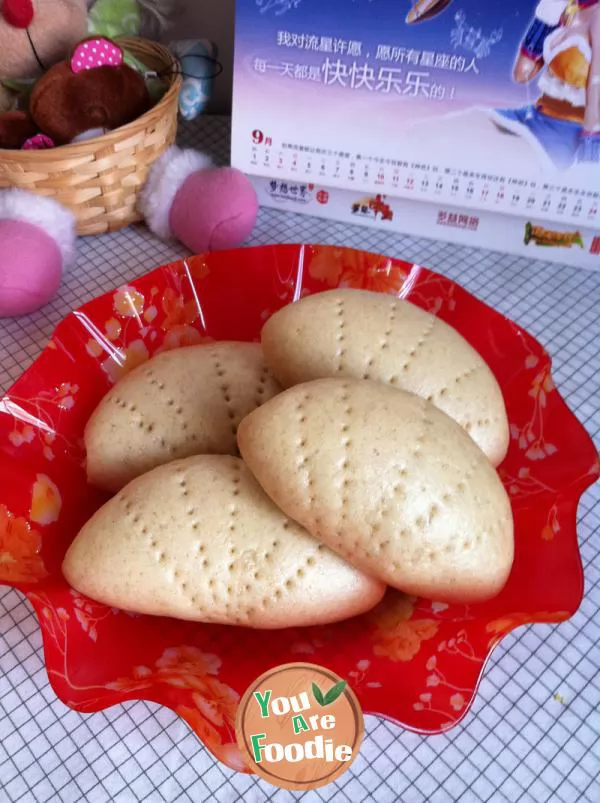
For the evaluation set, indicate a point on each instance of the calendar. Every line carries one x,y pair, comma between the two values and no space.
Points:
490,109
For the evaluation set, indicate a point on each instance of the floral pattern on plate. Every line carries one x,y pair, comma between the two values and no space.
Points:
414,661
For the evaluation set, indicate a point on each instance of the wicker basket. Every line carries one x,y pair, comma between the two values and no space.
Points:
100,179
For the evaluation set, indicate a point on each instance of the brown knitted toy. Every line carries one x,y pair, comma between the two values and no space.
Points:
93,90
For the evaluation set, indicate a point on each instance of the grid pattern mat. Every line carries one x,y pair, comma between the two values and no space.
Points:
533,733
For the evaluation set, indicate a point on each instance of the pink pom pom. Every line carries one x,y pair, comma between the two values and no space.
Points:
214,209
30,269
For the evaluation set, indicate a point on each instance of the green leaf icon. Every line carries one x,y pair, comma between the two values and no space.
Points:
334,692
331,696
318,694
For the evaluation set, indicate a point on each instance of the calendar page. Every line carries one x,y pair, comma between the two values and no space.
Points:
490,105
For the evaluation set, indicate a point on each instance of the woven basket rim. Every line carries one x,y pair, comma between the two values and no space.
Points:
135,44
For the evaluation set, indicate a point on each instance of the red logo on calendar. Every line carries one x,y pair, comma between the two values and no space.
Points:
323,197
457,221
373,208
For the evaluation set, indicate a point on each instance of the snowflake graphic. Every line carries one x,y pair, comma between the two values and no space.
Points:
471,39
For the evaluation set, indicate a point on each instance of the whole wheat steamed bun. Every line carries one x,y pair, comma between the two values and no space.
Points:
365,335
180,403
198,539
389,482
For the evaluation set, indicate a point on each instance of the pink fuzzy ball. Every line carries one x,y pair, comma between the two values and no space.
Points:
30,268
215,209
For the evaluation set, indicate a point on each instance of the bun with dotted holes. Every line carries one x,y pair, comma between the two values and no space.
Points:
389,482
180,403
198,539
366,335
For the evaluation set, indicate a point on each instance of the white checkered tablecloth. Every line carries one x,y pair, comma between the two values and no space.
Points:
533,733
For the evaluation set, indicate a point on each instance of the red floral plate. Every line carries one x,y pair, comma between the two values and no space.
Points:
413,661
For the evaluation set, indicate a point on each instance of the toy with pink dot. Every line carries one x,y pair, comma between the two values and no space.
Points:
91,99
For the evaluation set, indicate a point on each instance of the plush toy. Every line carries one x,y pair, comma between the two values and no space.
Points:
198,59
90,90
149,18
89,93
31,41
